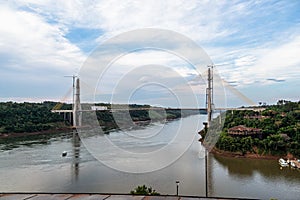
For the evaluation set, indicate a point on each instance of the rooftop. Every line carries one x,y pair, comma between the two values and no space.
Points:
243,130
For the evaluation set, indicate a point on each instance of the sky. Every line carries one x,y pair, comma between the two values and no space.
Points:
254,45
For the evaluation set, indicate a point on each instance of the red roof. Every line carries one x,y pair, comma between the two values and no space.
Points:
241,129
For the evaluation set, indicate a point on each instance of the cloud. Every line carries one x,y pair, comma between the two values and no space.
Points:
254,65
282,60
32,49
244,61
258,40
147,83
275,80
32,41
113,17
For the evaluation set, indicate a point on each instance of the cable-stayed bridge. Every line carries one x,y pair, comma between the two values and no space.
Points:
76,113
209,106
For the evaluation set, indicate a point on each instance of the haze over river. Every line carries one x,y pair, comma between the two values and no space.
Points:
35,164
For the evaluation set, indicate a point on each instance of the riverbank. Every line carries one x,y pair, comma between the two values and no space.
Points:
217,151
269,134
46,132
69,128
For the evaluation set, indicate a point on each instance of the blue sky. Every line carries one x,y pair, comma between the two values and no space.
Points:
254,44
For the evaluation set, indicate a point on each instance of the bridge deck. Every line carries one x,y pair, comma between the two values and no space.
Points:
154,108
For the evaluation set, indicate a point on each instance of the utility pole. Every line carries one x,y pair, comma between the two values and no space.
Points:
177,188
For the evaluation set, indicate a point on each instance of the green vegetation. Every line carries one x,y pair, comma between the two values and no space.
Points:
144,190
28,117
36,117
280,125
107,119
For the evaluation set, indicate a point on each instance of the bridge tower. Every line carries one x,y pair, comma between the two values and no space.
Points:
209,93
209,108
77,114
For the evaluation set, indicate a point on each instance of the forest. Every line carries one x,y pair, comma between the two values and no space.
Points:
280,125
29,117
36,117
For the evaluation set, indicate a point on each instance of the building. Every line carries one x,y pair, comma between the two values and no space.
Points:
99,108
243,131
255,117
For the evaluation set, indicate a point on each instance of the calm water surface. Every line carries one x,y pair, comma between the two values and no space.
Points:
35,165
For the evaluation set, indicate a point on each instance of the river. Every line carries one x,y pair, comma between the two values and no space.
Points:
35,164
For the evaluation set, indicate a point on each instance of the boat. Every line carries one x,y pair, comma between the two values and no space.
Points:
297,163
293,164
283,163
64,153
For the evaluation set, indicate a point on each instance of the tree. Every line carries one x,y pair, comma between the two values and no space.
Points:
144,190
283,118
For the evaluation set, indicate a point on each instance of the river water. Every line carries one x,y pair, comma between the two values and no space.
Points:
35,164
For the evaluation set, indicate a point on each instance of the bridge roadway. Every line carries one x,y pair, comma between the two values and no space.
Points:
70,196
159,108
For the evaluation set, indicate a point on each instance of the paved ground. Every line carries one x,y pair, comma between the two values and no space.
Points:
93,197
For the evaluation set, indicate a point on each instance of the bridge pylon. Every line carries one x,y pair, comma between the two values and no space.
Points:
209,93
77,114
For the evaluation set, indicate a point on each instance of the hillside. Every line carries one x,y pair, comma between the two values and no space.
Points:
274,131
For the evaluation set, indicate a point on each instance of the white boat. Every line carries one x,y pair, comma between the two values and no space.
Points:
283,163
293,164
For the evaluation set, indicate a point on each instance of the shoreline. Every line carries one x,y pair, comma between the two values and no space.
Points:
46,132
229,154
66,128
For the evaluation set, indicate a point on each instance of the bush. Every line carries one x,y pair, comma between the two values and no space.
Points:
144,190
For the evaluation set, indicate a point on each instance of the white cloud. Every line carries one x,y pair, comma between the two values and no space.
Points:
199,20
245,65
33,35
33,52
244,61
282,61
31,41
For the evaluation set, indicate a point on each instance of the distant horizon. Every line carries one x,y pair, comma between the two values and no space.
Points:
70,102
253,45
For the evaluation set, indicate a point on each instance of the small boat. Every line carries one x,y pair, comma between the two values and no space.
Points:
64,153
293,164
283,163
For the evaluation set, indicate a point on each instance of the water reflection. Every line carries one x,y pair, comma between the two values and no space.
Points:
76,155
246,168
39,167
210,188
